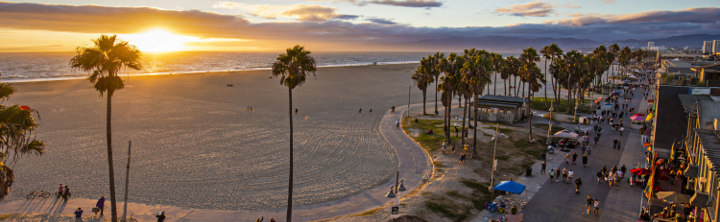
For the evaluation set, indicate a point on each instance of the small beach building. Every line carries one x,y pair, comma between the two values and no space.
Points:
502,109
709,74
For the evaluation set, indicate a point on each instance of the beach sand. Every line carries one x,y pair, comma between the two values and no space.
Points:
195,144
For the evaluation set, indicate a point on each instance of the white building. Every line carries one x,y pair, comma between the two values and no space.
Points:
707,47
715,46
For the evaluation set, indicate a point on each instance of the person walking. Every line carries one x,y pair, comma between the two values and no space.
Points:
574,158
78,214
570,176
66,193
552,175
544,164
160,216
578,183
100,205
60,191
585,160
462,157
615,143
599,177
596,205
564,174
557,175
588,204
567,159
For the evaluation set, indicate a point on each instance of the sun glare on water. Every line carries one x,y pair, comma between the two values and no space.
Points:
157,40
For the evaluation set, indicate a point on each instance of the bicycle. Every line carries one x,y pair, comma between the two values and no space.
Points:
36,193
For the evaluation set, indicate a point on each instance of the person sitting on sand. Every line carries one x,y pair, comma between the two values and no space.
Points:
430,132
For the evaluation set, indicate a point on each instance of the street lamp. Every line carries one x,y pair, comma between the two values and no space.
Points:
552,108
494,161
394,193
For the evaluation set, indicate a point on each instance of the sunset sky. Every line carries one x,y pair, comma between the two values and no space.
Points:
338,25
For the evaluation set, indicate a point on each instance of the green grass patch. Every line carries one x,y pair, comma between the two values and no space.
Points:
540,104
430,142
555,128
447,211
503,158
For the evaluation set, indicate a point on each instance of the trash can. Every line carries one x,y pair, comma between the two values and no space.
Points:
528,172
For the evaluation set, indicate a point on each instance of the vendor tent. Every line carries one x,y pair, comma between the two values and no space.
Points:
566,134
510,186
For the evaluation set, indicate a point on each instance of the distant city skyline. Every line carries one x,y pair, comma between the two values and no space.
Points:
332,25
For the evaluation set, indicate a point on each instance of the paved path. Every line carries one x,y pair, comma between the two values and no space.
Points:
558,201
414,166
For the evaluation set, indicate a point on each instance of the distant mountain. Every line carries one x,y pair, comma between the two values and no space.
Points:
515,44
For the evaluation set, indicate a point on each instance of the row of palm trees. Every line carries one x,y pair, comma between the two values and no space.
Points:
466,76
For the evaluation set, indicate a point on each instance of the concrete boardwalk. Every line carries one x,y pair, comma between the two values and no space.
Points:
558,201
414,166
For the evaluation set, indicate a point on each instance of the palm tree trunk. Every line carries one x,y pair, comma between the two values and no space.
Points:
569,94
475,126
505,87
493,84
463,124
545,85
424,92
436,92
529,111
290,180
111,172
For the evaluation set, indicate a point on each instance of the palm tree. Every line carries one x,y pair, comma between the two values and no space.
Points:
292,68
17,128
529,58
476,69
434,60
423,77
624,59
599,63
574,68
104,60
509,68
451,67
614,50
497,62
551,52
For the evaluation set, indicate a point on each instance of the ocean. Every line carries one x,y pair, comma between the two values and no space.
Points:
43,66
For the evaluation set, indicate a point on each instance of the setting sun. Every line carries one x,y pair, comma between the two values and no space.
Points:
157,40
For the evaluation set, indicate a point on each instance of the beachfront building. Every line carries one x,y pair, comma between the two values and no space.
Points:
716,46
502,109
703,173
709,74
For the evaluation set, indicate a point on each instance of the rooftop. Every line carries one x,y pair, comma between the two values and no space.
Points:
669,116
500,101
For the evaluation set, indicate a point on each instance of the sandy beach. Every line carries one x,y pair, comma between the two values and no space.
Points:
195,144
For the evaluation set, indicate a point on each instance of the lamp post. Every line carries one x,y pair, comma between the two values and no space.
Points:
494,161
552,108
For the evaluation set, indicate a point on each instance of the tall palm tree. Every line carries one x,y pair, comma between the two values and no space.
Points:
476,69
509,68
624,59
551,52
614,50
104,60
292,68
434,60
423,78
529,58
451,67
574,69
497,62
599,62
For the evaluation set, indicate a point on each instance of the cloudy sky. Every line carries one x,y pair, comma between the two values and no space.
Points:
334,25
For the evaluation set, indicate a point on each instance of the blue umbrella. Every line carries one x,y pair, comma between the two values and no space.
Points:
510,186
